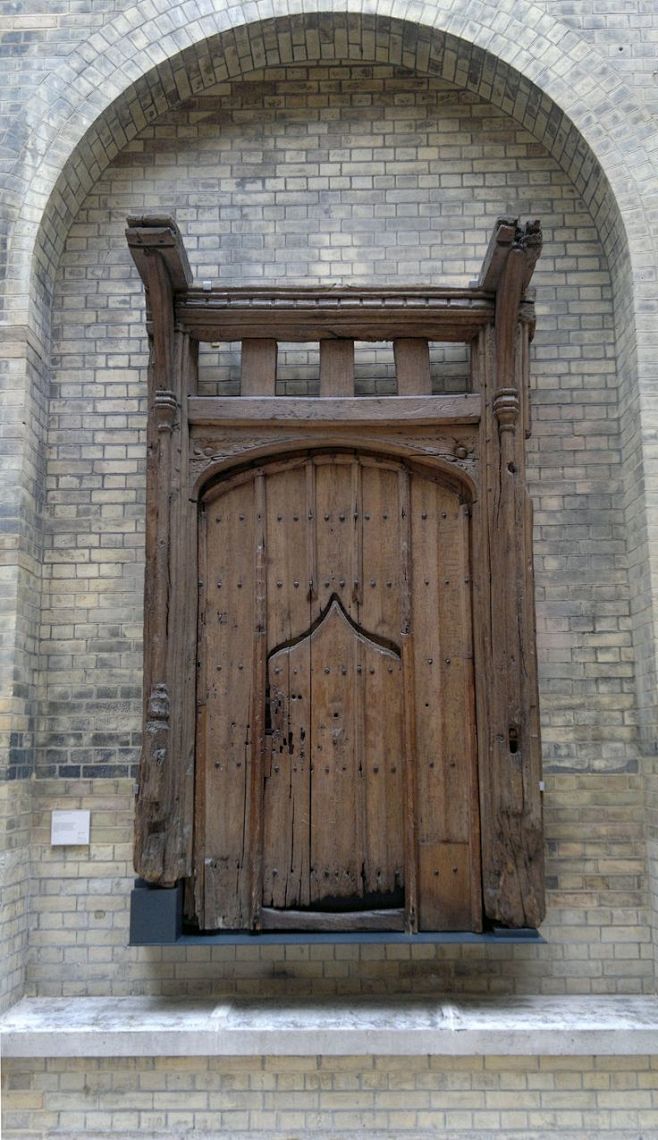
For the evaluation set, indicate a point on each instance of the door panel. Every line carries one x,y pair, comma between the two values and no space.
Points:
356,741
333,778
224,709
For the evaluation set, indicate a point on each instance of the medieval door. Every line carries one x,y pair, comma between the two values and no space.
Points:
336,762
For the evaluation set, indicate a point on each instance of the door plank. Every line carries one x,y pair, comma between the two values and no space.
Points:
445,758
228,664
334,511
383,763
289,536
444,884
286,807
380,605
337,780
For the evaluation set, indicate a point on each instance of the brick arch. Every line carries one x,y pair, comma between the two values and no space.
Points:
536,79
537,76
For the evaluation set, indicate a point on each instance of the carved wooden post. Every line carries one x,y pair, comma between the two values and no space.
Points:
163,838
510,768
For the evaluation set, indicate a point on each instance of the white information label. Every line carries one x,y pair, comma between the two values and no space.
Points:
70,828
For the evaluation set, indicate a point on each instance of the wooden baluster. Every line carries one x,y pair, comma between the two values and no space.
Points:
258,367
412,366
336,367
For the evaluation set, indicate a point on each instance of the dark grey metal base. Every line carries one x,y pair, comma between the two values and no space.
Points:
156,919
156,914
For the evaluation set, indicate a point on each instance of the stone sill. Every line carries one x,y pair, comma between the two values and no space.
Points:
345,1026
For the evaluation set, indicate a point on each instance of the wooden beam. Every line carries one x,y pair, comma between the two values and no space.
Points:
332,921
508,235
333,314
463,409
158,233
500,243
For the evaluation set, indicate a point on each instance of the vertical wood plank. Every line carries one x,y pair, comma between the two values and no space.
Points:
336,367
412,366
470,722
258,367
445,759
290,539
334,509
444,885
227,656
287,810
380,530
410,799
258,695
337,775
382,759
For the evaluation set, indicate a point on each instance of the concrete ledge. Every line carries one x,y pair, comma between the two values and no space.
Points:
161,1027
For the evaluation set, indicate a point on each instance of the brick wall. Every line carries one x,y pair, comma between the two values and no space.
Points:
465,1098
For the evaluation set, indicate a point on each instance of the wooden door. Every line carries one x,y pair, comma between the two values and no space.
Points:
336,766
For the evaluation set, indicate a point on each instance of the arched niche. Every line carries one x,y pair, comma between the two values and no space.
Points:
427,50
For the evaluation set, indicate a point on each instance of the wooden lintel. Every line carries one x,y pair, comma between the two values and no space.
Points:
156,233
308,315
464,409
509,234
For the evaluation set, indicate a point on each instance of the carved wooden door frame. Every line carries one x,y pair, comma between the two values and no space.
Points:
476,438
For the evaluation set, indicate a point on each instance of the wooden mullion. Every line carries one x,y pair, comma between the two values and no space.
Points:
337,367
412,366
258,367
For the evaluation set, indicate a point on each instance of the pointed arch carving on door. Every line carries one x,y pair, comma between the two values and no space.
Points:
398,528
327,755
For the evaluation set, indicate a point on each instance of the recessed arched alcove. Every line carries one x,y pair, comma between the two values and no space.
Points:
327,38
77,241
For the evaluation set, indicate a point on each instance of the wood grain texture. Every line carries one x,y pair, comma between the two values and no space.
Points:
226,706
351,314
336,367
412,366
332,921
258,367
434,410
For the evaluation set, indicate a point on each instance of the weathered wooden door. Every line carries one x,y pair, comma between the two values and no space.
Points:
336,761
